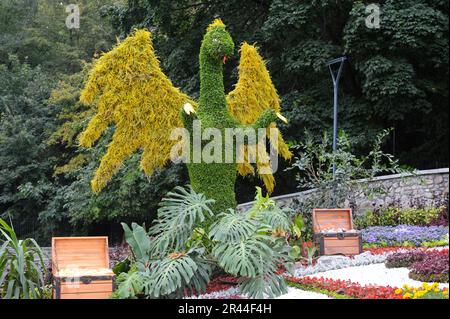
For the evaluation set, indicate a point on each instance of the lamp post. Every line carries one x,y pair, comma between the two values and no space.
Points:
336,77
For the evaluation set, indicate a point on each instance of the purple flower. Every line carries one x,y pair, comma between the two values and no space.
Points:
397,235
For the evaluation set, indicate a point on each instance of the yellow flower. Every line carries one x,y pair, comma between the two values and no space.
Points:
398,291
420,294
407,296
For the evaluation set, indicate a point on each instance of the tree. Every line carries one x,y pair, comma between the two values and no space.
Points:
36,51
25,159
36,32
396,76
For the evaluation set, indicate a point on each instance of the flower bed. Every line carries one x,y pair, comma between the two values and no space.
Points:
388,250
432,268
339,262
404,259
404,235
221,283
426,291
370,256
426,265
346,288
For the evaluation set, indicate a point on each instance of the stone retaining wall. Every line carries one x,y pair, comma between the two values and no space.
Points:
429,187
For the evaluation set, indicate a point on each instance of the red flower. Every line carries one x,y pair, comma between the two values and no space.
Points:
383,250
348,288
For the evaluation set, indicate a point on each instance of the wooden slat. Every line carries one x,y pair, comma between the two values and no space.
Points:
346,242
89,264
78,287
341,250
82,272
82,256
97,295
80,252
324,219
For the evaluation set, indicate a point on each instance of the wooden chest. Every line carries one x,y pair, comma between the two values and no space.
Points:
80,267
334,233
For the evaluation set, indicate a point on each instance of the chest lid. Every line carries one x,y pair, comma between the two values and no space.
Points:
90,253
336,218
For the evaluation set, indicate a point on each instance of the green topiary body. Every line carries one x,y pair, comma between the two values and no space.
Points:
217,180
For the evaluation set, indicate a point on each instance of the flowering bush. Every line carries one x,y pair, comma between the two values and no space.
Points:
348,288
402,235
433,268
426,291
404,259
393,216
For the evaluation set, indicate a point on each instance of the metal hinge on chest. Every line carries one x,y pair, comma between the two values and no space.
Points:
340,236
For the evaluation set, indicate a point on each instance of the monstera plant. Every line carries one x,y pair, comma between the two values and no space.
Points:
188,242
130,91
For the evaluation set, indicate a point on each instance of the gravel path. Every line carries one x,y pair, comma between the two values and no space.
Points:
376,274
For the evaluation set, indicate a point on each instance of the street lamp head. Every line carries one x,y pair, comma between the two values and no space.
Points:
337,60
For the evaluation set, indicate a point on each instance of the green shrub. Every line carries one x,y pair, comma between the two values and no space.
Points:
22,268
394,216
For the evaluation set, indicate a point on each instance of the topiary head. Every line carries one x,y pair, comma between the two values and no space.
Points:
217,44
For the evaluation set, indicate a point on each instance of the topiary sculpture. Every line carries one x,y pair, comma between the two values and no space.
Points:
130,90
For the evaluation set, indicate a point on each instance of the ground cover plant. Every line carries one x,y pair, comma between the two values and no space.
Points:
404,259
425,265
404,235
432,268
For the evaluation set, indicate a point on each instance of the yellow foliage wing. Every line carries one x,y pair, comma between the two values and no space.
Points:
131,92
253,94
